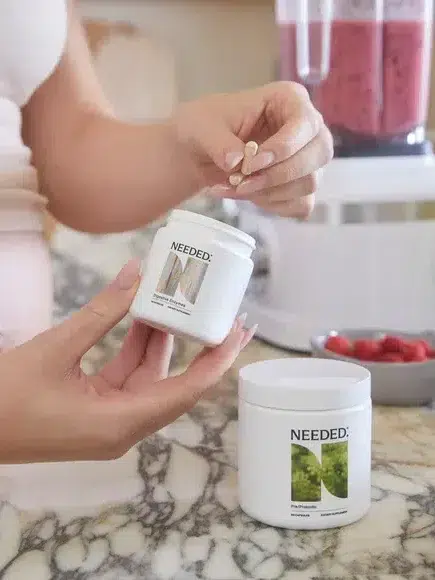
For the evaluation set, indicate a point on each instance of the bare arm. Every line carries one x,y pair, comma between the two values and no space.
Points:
100,174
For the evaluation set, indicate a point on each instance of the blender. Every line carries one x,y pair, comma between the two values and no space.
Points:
366,258
366,65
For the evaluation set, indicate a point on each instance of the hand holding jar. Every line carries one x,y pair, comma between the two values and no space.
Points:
50,410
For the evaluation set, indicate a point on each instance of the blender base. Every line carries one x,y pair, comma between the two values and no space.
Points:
368,149
367,269
280,329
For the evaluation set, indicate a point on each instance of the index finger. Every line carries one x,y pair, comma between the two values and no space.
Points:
300,129
149,409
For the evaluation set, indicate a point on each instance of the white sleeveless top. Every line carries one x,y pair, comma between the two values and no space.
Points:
32,39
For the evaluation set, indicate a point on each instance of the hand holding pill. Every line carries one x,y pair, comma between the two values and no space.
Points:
265,145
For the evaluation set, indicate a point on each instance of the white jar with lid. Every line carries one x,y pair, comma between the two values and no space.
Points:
195,277
304,442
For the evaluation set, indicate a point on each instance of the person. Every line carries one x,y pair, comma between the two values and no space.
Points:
103,175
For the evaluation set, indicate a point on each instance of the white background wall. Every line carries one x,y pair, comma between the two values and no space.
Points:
220,45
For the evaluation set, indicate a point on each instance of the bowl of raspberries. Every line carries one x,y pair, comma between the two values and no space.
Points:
402,364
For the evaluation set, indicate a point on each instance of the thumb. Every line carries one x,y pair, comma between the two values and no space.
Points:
87,326
224,148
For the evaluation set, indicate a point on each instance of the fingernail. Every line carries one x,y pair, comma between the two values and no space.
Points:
219,190
233,159
128,275
261,161
252,185
239,323
241,320
249,336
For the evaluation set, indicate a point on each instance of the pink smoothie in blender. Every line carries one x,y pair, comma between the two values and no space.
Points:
349,98
405,71
372,83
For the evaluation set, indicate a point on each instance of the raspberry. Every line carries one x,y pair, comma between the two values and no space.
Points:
392,357
339,344
414,352
426,345
392,344
366,349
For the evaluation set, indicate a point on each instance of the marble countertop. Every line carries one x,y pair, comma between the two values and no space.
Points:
184,522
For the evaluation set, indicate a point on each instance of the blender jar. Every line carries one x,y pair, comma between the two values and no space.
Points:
407,43
366,64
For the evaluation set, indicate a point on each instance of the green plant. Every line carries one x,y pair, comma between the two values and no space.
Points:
308,473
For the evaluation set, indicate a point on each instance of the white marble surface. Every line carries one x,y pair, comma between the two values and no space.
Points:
185,524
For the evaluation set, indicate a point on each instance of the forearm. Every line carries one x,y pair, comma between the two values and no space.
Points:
114,176
98,173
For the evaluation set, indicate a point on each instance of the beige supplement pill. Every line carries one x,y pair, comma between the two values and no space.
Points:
251,149
235,179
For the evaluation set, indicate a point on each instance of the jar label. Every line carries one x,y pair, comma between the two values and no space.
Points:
319,468
182,277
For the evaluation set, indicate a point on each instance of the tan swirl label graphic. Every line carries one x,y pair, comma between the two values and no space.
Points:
188,279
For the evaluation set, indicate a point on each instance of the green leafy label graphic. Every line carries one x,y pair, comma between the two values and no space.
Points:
308,472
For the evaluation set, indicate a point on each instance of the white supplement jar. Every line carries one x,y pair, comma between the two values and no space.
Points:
304,442
195,278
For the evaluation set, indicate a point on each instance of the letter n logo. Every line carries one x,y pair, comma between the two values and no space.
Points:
308,473
188,279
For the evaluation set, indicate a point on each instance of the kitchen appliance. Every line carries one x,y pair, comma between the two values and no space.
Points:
366,258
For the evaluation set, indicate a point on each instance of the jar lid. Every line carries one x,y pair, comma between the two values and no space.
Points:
202,220
305,384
